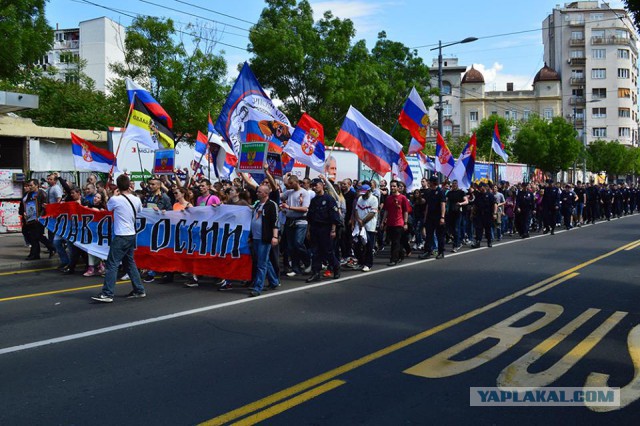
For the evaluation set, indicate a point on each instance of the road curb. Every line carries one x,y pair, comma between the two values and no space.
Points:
26,265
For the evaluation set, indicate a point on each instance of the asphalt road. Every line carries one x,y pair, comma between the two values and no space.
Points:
393,346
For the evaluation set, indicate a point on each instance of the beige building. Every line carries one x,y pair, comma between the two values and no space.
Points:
451,118
594,50
477,104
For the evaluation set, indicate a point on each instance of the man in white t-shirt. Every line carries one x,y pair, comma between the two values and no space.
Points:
125,207
365,215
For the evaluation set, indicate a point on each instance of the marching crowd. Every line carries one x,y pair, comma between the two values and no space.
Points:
315,227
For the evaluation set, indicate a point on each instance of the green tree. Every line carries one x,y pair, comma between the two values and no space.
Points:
316,67
188,84
549,145
484,136
633,8
25,33
611,157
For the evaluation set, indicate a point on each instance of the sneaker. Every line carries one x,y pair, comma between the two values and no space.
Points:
125,277
425,255
392,263
91,271
365,269
136,295
307,270
273,287
440,256
254,293
454,250
291,274
226,285
102,298
191,283
326,273
148,279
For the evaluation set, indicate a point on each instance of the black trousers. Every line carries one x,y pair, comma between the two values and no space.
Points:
322,245
394,234
549,217
483,223
433,226
34,232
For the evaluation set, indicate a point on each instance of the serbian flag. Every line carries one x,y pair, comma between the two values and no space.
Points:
426,162
497,145
223,157
402,171
373,147
465,165
414,118
87,156
201,154
307,143
152,105
444,160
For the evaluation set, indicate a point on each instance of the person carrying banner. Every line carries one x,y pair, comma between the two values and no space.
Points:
125,207
31,208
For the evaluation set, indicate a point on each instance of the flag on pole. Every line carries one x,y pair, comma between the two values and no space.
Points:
402,171
465,165
444,160
497,145
307,143
415,119
426,162
415,146
152,105
374,147
145,128
201,154
249,115
224,159
87,156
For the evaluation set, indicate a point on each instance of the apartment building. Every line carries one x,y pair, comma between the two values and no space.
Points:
97,42
594,50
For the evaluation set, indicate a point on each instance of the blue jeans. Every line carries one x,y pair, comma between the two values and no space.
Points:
295,244
58,243
121,250
264,268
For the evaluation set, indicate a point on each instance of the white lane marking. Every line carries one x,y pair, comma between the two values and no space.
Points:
139,323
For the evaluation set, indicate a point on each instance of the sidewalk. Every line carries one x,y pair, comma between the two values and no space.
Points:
13,252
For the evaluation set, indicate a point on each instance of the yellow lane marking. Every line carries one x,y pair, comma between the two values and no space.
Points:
47,293
636,245
24,271
553,284
331,374
288,404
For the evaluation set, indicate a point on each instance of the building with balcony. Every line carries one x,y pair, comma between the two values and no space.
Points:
97,42
451,79
594,50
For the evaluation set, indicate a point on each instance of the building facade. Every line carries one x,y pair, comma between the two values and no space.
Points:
594,50
451,78
97,42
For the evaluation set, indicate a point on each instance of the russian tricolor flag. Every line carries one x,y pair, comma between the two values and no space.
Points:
152,105
497,145
87,156
373,147
463,171
444,160
402,171
414,118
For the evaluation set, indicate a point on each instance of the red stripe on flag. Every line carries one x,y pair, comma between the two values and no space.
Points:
354,145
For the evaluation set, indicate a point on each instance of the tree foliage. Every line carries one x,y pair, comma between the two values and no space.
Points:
317,67
188,84
611,157
549,145
633,8
484,136
25,33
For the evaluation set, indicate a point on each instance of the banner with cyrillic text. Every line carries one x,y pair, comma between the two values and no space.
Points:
211,241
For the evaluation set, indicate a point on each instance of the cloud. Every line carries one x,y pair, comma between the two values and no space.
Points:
363,14
495,79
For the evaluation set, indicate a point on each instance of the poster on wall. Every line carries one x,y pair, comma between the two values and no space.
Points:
9,188
9,217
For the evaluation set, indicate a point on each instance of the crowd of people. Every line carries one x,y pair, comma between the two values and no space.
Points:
314,228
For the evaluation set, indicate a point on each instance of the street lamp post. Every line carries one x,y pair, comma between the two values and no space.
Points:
584,137
439,48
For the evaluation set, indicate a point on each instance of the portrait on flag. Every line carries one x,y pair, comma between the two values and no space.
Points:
164,162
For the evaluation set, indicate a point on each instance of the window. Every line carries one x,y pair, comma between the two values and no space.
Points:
599,93
597,36
507,114
624,132
473,116
599,53
548,113
599,132
577,74
623,72
624,112
577,92
599,73
446,88
622,34
526,114
624,93
599,112
579,113
577,35
577,53
623,53
446,109
597,16
514,114
447,129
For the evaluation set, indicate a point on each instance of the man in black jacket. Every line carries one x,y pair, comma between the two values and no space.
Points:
264,233
323,219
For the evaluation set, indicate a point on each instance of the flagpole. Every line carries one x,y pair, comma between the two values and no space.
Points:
200,161
126,123
140,160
